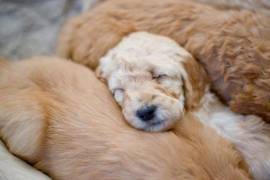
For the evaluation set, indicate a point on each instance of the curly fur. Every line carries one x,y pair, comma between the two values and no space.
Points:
233,46
146,70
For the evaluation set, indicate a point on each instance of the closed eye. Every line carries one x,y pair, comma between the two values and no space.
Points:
159,76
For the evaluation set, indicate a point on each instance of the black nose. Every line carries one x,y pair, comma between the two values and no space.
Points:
146,113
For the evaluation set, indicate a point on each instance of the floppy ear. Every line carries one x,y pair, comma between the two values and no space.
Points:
195,82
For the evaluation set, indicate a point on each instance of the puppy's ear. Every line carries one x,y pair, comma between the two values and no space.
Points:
195,82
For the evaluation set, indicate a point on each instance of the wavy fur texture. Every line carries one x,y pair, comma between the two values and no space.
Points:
260,6
233,46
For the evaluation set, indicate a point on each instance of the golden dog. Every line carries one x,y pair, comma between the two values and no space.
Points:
57,116
233,46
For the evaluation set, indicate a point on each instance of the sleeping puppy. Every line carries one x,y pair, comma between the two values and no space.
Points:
146,75
57,116
156,82
233,46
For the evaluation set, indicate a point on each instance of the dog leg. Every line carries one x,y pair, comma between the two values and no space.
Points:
22,122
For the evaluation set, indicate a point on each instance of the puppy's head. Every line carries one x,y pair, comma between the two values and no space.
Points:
153,79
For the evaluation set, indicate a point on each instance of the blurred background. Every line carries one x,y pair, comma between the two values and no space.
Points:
30,27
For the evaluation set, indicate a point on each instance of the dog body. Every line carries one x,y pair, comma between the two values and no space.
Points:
260,6
133,67
57,116
233,46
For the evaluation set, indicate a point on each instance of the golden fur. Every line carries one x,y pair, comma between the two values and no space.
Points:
233,46
260,6
57,116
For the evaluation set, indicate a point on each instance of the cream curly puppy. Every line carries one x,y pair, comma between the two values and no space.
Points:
146,74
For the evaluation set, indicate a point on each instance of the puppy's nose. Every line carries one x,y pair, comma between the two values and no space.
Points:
146,113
